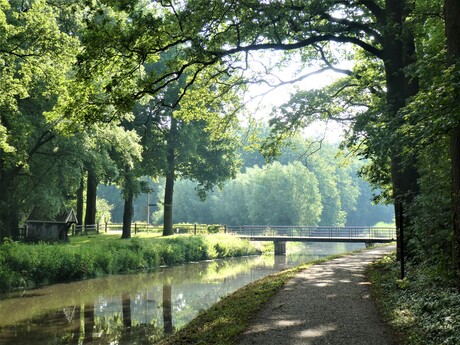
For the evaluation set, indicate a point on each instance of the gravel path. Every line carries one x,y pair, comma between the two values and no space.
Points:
328,303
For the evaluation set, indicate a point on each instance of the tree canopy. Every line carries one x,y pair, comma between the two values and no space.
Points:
74,73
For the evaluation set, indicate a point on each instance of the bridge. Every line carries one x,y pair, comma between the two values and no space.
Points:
282,234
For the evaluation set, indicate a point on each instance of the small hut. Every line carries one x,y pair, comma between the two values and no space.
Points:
49,230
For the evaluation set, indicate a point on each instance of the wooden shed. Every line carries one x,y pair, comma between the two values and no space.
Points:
49,230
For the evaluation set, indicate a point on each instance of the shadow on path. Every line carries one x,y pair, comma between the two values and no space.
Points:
328,303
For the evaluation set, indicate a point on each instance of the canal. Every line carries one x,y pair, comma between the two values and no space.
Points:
138,308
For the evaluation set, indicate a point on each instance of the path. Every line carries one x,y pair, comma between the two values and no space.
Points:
328,303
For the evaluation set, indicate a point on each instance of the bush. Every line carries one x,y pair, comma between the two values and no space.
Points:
213,229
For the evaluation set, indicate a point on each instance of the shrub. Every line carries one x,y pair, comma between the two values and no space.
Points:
213,229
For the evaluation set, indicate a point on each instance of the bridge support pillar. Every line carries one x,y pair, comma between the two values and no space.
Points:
280,247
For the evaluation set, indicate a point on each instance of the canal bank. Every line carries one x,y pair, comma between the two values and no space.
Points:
327,303
137,308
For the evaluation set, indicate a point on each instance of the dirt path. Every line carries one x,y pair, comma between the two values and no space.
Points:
327,303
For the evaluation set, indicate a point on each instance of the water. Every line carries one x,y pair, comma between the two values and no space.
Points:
137,309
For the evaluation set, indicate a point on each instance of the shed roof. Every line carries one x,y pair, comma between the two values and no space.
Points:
68,216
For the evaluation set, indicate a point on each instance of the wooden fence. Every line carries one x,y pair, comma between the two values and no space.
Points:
143,227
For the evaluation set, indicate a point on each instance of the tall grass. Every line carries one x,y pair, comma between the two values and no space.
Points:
30,265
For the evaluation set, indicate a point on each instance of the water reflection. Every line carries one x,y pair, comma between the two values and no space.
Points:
167,309
137,309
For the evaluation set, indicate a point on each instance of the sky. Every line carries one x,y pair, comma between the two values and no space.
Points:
260,103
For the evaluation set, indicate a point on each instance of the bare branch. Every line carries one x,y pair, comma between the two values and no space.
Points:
326,61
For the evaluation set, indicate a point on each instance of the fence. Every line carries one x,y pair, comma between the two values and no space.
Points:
367,232
143,227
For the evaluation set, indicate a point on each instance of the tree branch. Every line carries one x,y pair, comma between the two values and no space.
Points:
301,44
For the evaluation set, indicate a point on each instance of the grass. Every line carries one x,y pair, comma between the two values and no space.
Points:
422,309
105,238
25,266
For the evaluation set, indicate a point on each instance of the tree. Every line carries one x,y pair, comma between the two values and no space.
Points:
36,57
189,207
452,11
283,195
206,52
193,153
233,203
122,158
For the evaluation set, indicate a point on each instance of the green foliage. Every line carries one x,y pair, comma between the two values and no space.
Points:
212,229
423,307
35,61
284,195
431,240
345,198
29,265
109,78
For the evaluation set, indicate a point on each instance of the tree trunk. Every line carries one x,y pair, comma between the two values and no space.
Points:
9,209
398,52
167,309
80,192
14,221
455,197
451,14
88,322
128,214
168,202
126,311
170,178
4,229
91,193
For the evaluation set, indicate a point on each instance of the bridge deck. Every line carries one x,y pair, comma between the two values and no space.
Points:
315,234
317,239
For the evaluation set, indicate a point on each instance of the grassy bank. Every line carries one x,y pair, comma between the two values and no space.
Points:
423,309
30,265
222,323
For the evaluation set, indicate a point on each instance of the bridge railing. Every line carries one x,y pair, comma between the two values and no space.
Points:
364,232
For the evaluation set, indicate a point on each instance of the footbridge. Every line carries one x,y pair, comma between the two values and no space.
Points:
282,234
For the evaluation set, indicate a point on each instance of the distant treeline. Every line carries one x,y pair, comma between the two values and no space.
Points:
319,189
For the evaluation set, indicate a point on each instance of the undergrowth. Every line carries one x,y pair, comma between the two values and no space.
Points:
423,308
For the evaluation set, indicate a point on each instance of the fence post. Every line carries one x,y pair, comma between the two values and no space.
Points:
194,229
225,228
105,227
135,228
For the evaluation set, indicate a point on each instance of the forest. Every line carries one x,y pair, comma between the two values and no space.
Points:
108,92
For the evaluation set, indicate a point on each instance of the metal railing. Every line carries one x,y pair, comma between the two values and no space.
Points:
350,232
